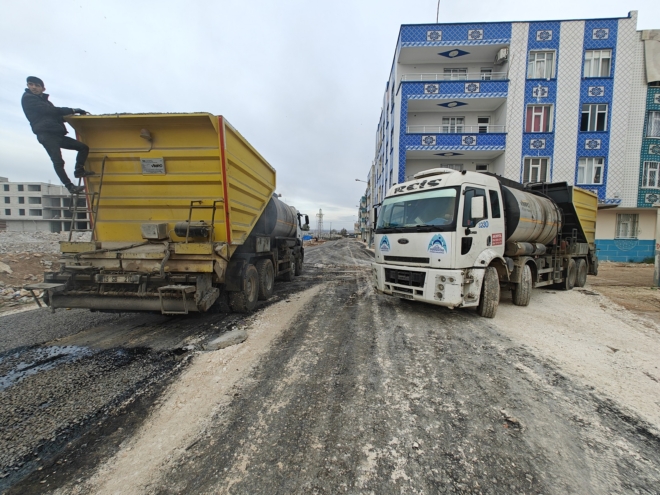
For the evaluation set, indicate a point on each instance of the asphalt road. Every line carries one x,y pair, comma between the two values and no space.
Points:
361,394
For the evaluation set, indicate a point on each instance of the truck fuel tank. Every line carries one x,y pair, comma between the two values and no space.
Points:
277,220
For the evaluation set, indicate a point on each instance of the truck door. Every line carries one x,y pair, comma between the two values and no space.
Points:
474,234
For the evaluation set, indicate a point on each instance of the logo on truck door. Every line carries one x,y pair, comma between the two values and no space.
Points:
438,245
384,245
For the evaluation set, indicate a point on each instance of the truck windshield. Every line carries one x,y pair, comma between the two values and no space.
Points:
428,211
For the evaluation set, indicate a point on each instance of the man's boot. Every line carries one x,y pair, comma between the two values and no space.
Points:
75,189
82,173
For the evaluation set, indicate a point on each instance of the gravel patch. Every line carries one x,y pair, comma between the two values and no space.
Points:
36,242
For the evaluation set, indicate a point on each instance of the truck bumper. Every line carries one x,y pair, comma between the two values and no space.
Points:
449,288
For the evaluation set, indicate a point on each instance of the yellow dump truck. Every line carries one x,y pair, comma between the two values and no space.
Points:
182,215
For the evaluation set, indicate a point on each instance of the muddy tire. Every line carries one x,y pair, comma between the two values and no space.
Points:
571,272
522,292
221,304
266,279
490,294
288,276
594,267
581,273
299,266
245,300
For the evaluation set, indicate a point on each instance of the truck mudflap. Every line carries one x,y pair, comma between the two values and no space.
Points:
442,287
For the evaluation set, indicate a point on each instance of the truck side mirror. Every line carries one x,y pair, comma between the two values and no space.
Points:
477,208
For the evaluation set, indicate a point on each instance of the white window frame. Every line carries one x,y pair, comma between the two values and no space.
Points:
627,226
593,63
588,170
653,124
539,110
457,74
651,175
486,73
453,126
594,116
537,64
536,163
453,166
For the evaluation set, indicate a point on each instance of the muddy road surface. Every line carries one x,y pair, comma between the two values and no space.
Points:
336,390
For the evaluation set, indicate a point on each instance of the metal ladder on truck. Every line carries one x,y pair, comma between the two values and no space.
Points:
91,206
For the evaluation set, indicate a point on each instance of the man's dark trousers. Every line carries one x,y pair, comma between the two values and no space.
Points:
54,143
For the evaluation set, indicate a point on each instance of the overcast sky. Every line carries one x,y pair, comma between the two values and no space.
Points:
302,80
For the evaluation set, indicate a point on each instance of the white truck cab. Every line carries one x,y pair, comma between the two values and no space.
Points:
436,234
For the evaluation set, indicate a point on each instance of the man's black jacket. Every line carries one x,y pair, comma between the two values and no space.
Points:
44,117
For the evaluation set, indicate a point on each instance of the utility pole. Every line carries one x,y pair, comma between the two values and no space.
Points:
319,223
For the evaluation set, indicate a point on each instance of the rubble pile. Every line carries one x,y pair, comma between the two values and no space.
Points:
36,242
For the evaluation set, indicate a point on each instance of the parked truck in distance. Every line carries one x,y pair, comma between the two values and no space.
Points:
183,218
456,239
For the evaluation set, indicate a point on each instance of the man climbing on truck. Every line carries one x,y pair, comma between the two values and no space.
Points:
47,122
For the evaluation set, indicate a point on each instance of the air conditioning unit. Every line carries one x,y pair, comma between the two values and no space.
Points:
502,56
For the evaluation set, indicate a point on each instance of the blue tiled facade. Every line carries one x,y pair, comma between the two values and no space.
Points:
455,34
650,151
625,250
598,35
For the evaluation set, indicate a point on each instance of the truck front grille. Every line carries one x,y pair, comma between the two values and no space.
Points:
407,259
405,277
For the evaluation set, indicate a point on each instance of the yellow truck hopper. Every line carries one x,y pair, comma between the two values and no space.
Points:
172,212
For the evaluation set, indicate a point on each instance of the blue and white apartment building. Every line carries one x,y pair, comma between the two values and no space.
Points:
574,101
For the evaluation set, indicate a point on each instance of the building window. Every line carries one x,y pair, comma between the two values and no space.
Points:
486,73
650,176
35,213
7,200
34,187
594,118
653,125
455,74
452,125
539,118
483,123
541,65
34,201
626,225
7,211
6,187
597,63
20,187
21,212
535,170
590,170
452,166
21,201
482,167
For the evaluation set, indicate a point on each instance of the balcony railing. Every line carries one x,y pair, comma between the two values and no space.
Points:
455,129
470,76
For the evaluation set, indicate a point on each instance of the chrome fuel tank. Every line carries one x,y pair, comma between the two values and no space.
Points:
530,218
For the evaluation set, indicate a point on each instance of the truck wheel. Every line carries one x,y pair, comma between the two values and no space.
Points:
581,273
245,300
266,278
522,292
221,304
490,294
288,276
571,272
594,267
299,266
